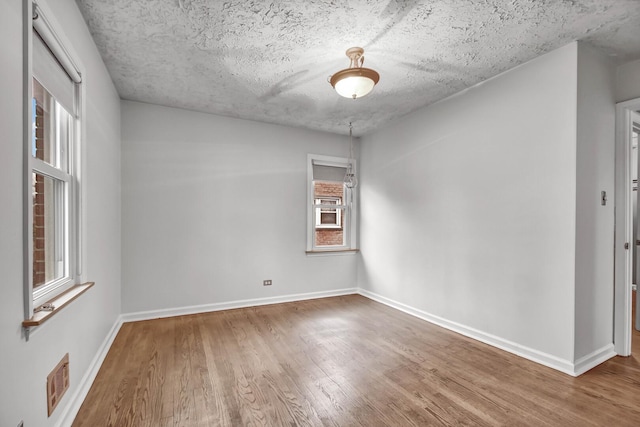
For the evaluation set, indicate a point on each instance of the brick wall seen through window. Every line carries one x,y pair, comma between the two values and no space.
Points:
329,236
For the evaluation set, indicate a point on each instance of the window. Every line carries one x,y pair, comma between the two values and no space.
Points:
52,152
328,216
331,211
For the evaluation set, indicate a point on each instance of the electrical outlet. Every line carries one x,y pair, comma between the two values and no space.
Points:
266,282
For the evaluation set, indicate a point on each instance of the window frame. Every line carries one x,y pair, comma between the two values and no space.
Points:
70,193
349,205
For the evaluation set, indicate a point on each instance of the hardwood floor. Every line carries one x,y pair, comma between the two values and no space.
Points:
344,361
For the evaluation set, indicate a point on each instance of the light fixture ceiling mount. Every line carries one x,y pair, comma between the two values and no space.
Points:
355,81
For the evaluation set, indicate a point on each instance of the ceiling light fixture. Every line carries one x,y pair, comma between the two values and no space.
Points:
355,81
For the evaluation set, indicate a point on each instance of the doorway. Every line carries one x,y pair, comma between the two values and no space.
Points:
635,162
627,231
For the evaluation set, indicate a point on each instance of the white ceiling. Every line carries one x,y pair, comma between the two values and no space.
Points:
270,60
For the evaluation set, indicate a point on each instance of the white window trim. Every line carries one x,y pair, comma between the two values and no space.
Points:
49,29
351,209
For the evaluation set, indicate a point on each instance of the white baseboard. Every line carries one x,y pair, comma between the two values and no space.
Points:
592,360
205,308
71,410
545,359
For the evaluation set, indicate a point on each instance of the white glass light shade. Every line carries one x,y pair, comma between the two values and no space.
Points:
354,82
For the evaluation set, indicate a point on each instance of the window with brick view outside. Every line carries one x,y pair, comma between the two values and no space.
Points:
54,146
333,236
43,188
38,205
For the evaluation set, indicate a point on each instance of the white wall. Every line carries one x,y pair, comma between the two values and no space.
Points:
213,205
628,81
595,223
82,327
468,208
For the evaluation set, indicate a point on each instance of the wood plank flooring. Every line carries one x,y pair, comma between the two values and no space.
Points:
344,361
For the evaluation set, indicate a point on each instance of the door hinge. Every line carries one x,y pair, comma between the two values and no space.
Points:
626,246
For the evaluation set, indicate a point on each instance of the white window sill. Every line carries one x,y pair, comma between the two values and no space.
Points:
333,252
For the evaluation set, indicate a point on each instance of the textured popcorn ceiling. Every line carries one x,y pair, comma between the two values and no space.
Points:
270,60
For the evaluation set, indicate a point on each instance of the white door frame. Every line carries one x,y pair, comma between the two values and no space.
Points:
623,228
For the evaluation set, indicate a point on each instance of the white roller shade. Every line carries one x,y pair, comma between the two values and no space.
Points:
48,71
46,32
328,173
